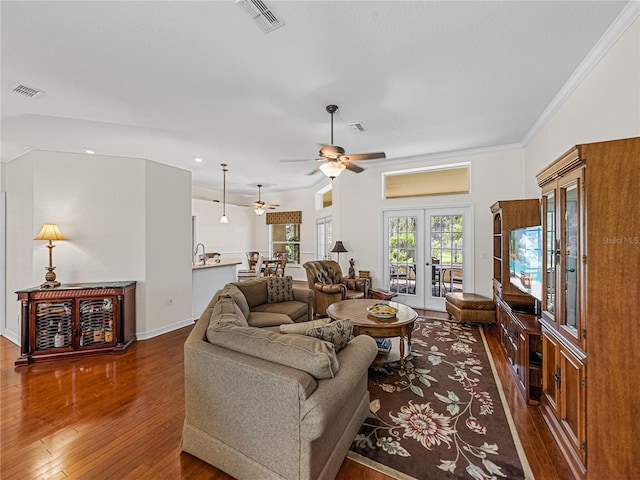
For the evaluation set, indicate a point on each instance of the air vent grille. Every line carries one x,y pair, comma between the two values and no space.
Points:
264,16
357,127
26,91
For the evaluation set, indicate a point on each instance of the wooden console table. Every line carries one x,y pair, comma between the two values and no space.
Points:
76,319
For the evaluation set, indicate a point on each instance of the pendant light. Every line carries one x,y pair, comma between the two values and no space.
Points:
223,218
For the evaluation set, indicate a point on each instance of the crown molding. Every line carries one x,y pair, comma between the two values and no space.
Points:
624,20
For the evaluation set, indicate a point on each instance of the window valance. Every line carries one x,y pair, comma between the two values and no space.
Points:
284,218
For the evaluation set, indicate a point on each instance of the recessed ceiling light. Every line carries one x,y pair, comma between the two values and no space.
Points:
90,151
197,159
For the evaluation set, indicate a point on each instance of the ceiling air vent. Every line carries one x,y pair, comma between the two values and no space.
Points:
22,89
264,16
357,127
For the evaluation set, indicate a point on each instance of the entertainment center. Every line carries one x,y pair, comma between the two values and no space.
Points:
575,351
518,327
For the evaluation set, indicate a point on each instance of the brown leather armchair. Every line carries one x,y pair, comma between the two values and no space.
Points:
329,285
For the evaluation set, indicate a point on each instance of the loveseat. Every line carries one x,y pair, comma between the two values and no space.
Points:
260,404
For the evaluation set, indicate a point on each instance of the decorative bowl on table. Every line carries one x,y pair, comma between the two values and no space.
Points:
382,310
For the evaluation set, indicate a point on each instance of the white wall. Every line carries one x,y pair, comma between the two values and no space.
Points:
359,202
167,250
232,239
111,215
604,106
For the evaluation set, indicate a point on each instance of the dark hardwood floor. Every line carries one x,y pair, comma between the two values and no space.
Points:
120,417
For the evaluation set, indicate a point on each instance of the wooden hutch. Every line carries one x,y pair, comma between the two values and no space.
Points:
590,327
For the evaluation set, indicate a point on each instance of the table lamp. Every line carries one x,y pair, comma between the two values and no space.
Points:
338,248
50,231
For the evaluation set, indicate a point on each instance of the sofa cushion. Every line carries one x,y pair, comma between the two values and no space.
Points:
338,333
279,289
255,291
302,327
226,311
308,354
268,319
294,310
238,297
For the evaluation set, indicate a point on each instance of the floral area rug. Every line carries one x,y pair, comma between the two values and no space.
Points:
444,417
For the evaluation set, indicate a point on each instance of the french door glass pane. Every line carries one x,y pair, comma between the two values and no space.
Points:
324,237
446,254
402,254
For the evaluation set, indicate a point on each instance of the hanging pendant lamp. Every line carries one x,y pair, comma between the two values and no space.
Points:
223,218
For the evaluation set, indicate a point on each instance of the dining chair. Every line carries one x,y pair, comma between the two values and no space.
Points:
251,274
281,264
252,259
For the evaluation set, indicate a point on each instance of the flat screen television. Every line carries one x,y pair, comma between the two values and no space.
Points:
525,261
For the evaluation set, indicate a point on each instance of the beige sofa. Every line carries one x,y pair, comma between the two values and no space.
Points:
264,405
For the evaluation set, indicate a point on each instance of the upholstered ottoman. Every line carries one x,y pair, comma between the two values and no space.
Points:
470,307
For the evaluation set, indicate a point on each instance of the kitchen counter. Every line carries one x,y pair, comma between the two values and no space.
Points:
207,279
223,263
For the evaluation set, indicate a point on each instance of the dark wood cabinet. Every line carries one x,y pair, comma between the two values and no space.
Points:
520,337
76,319
590,295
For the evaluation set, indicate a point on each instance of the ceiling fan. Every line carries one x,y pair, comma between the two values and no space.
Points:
334,155
261,206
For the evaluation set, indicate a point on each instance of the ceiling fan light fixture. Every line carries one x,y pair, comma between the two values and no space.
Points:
332,169
259,211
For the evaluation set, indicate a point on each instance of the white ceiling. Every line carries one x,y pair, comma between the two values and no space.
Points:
174,80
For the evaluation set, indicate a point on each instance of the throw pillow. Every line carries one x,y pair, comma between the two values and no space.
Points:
226,311
302,327
338,333
279,289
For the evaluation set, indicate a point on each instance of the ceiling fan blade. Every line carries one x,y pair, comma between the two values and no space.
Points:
298,160
353,167
362,156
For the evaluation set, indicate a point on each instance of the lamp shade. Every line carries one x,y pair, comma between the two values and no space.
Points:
332,169
50,231
338,247
259,211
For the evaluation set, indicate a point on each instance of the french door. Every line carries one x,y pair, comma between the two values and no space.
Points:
428,252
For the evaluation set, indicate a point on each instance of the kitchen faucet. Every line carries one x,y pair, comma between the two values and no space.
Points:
204,257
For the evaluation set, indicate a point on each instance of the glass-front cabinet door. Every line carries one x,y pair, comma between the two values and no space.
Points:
563,220
97,322
550,253
53,324
570,216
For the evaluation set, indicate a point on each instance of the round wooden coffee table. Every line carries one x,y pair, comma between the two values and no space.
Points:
364,324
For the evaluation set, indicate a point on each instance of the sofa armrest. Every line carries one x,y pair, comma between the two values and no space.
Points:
358,284
230,395
331,288
332,394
